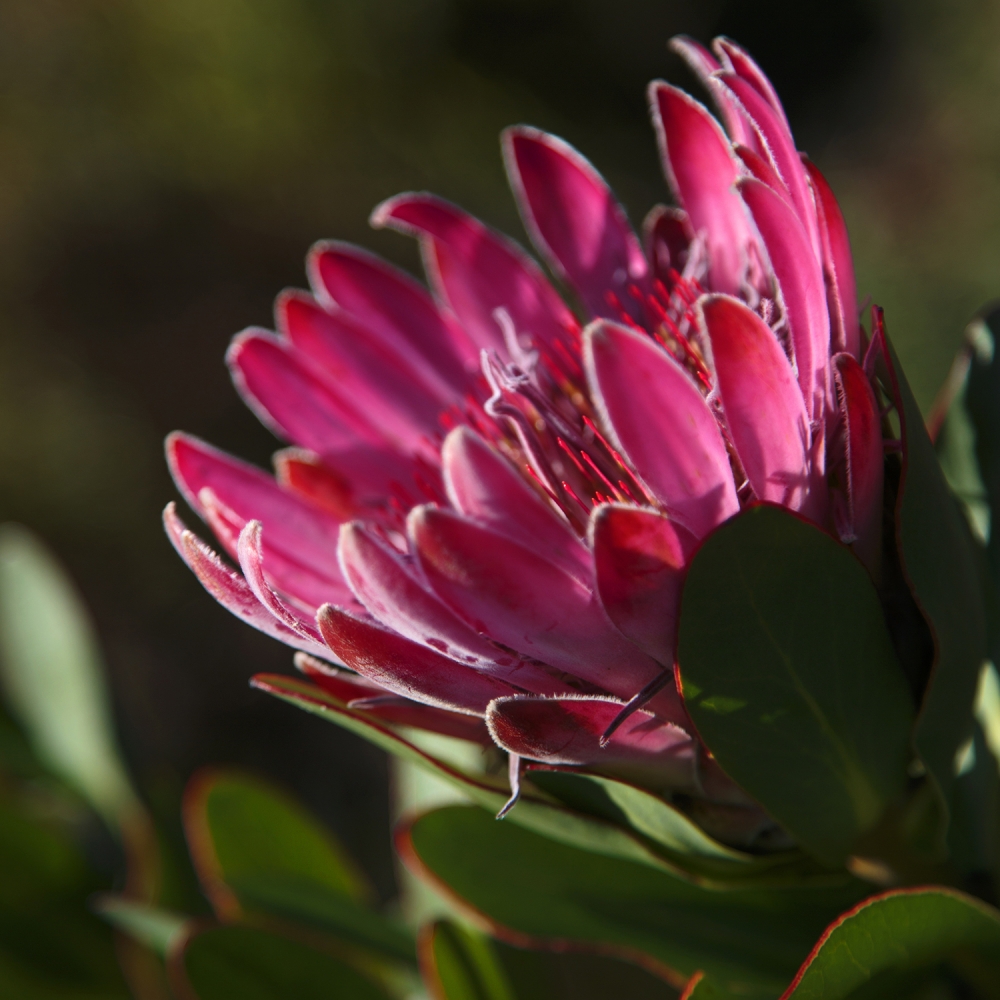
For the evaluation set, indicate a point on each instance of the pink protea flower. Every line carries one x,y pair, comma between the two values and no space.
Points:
491,498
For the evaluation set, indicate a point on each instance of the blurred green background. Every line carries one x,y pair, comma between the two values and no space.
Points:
165,164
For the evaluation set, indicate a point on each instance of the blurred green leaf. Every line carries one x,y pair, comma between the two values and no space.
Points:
307,902
789,674
942,566
539,891
53,677
239,825
257,849
460,964
699,987
50,945
244,963
899,931
158,929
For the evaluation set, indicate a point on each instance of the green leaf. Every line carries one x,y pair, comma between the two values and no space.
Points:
52,674
700,987
670,834
903,930
255,848
239,825
534,890
159,930
314,905
941,563
459,964
244,963
790,676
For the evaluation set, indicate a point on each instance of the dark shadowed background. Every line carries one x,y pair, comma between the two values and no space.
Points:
164,166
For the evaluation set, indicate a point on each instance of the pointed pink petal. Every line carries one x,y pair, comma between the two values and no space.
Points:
303,473
230,589
761,400
704,65
345,685
740,62
701,170
378,383
761,168
517,598
301,540
667,235
391,592
575,221
290,399
482,485
359,482
864,460
396,308
800,280
780,149
304,586
477,271
639,560
838,266
251,558
406,668
568,731
361,695
662,425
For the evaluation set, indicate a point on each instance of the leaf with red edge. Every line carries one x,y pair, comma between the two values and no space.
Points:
246,963
535,892
258,851
896,939
941,564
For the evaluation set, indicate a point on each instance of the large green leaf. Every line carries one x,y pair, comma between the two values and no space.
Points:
790,676
257,849
244,963
52,675
459,964
535,890
239,825
899,932
939,558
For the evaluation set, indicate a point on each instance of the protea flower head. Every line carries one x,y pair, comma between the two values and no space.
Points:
492,491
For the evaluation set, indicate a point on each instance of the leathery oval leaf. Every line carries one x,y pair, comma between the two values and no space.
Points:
459,963
238,825
257,850
534,892
895,939
53,678
247,963
789,674
942,567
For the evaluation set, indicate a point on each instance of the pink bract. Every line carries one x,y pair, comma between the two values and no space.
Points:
491,495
